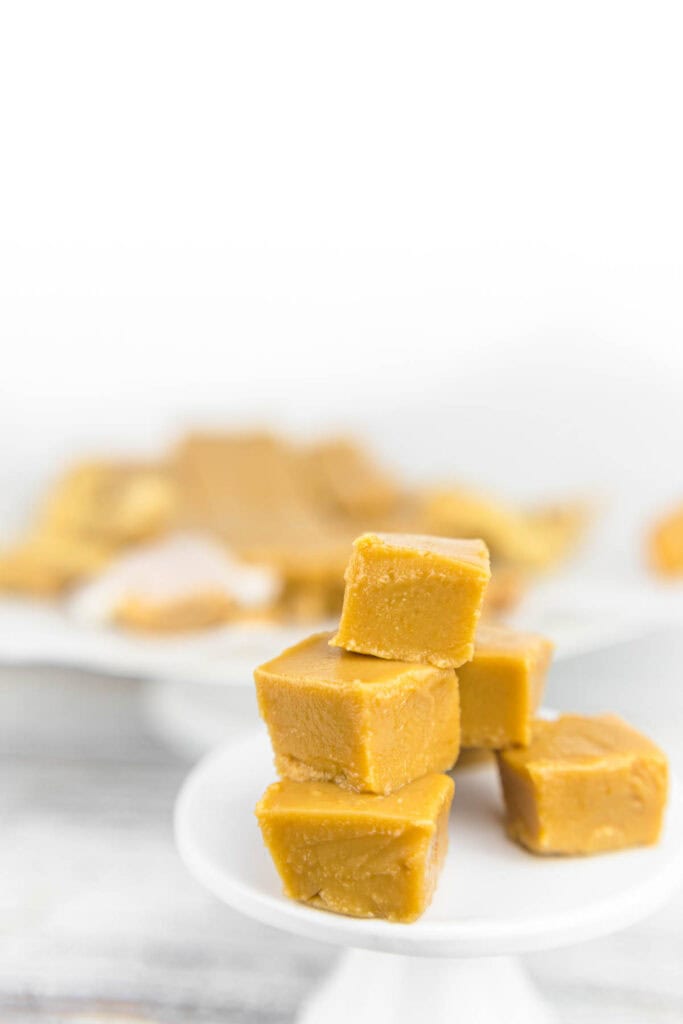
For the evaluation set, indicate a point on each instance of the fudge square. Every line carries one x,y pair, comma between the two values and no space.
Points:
358,853
501,688
584,785
413,597
365,723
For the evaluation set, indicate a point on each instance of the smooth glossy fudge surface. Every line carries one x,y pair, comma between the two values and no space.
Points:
501,688
357,853
414,598
365,723
584,785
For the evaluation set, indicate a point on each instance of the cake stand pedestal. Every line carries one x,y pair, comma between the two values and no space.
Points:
368,987
457,964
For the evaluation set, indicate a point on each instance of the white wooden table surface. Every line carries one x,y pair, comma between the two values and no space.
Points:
99,922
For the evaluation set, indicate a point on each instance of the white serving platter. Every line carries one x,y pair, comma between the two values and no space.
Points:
581,616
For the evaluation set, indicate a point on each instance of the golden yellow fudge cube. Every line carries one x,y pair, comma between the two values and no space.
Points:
113,503
358,853
364,723
413,597
501,688
584,785
246,488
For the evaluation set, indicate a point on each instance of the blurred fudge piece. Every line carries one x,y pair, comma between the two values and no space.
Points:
665,544
45,565
254,492
186,614
243,487
534,539
311,573
350,483
358,853
92,511
558,528
111,503
184,581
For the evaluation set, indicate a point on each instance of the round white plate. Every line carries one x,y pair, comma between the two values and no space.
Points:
492,898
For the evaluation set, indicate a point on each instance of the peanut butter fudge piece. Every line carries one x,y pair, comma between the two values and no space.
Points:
414,597
358,853
245,488
456,512
532,539
349,483
364,723
584,785
501,688
110,502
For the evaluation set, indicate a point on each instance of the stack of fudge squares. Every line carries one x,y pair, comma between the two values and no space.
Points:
366,723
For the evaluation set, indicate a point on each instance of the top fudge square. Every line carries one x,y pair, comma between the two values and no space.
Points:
414,598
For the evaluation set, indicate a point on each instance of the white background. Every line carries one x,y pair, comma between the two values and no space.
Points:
455,226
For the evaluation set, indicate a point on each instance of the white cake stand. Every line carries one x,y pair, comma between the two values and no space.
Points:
457,963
